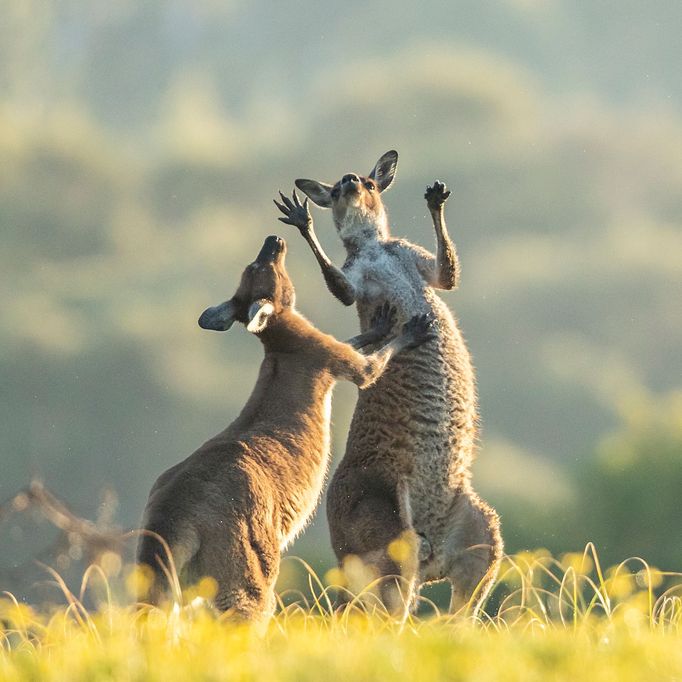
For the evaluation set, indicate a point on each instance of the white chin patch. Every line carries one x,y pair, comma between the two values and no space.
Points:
259,314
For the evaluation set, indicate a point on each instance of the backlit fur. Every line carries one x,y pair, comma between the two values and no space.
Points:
234,505
412,438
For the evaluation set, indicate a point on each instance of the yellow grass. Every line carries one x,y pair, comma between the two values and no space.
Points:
547,619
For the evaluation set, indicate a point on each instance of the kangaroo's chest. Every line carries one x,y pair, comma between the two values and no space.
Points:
304,496
377,275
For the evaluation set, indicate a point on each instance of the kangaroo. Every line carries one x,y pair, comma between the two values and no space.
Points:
406,467
231,508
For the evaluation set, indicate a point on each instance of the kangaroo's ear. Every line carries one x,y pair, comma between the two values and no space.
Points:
260,313
384,171
319,192
219,318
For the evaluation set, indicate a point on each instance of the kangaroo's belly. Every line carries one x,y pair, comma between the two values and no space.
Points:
418,421
378,275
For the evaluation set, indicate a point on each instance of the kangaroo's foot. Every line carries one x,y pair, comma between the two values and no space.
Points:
395,569
474,553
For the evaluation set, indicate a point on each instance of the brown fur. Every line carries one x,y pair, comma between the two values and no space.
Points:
231,507
406,471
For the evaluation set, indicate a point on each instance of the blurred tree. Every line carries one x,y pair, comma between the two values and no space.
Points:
629,493
140,147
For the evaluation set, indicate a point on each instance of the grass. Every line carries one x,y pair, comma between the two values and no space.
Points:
547,619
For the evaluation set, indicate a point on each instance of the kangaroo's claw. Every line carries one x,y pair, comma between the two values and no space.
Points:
295,213
384,318
420,328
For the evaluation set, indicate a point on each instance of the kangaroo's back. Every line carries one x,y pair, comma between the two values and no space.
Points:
230,508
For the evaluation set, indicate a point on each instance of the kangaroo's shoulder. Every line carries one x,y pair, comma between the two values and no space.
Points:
308,343
407,249
404,254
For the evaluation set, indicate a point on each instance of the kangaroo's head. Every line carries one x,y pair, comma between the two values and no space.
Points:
264,292
355,200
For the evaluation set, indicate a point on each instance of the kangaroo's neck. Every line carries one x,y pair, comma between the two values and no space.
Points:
293,383
358,228
289,332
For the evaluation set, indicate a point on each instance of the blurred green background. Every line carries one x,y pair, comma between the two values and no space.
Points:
141,144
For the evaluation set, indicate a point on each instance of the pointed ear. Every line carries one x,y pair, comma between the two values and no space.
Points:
260,313
384,172
219,318
320,193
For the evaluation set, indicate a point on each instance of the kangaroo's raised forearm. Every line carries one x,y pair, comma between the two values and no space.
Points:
336,281
363,370
446,275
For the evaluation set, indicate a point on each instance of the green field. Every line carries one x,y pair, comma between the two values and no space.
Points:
547,619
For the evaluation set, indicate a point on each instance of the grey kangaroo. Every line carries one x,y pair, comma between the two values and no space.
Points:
407,463
229,509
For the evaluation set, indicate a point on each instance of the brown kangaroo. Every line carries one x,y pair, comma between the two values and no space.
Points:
406,469
229,509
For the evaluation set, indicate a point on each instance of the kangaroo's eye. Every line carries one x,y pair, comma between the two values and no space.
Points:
335,193
369,186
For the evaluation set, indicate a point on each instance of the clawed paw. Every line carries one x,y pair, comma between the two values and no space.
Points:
295,212
420,328
436,195
384,318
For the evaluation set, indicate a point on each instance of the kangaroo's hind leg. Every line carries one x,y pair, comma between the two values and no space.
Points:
368,521
167,549
473,552
245,566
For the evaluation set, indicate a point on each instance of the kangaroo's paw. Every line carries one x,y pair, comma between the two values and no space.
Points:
419,329
295,213
383,319
436,195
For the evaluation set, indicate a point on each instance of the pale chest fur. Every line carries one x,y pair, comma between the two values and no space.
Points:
304,501
380,272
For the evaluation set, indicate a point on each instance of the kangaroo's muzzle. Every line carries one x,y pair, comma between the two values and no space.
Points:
272,248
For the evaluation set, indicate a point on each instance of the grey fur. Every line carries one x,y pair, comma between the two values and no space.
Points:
406,470
229,509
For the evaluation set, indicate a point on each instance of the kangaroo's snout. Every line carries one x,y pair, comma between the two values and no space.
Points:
351,186
273,246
